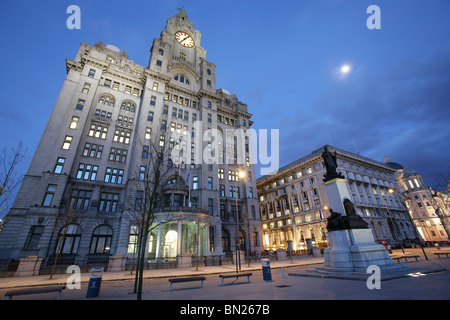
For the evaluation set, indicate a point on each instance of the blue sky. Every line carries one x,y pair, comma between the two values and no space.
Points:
280,57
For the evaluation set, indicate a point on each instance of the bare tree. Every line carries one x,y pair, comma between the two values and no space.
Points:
442,180
9,178
151,176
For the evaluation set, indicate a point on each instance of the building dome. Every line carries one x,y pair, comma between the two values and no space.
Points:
393,165
409,172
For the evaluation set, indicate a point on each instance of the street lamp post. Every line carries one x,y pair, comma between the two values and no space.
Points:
392,222
241,174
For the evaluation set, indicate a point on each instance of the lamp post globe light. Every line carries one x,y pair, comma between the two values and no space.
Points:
240,175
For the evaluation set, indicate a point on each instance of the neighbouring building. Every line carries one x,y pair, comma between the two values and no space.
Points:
428,208
294,206
84,183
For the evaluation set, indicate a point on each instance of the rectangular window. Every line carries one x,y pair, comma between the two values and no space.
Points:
122,136
153,101
210,183
107,83
80,104
91,73
97,131
80,199
155,86
67,142
139,199
148,134
49,195
113,175
142,171
33,237
232,191
115,85
222,190
159,63
108,202
119,155
210,206
74,123
59,165
150,116
86,88
128,89
221,173
133,239
145,150
195,183
87,172
92,150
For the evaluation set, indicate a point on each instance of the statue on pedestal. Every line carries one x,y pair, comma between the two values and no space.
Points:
331,165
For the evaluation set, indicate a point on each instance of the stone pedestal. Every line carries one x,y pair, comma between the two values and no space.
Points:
29,266
184,260
116,263
354,250
352,246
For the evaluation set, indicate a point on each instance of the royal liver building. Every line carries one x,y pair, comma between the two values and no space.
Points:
120,131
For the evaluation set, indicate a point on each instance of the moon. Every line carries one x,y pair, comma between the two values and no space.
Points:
345,69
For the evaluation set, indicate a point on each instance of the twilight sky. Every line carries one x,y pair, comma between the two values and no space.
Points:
280,57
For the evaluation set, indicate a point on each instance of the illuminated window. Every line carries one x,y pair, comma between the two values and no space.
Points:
122,136
74,122
67,142
98,131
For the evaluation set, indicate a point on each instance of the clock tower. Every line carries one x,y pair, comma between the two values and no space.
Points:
179,46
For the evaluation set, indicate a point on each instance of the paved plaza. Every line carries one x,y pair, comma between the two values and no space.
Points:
428,280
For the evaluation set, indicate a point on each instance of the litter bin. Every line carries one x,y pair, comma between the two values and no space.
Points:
94,282
267,275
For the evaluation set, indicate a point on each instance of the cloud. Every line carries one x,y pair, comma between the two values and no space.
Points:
402,111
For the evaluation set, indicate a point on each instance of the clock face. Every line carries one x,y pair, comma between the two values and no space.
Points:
184,39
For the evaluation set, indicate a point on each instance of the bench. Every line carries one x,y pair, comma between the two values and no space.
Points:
405,257
442,253
235,275
22,292
185,279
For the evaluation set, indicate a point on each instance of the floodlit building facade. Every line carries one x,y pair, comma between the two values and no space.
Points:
83,188
428,208
294,206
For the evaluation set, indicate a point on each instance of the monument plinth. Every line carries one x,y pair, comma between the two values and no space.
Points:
352,246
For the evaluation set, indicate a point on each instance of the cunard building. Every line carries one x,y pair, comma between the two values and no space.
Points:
294,203
81,197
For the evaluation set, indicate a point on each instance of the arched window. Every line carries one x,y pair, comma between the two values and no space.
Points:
181,78
128,106
107,100
101,239
68,239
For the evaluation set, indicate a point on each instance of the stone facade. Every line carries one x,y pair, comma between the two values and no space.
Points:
428,208
84,180
294,201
